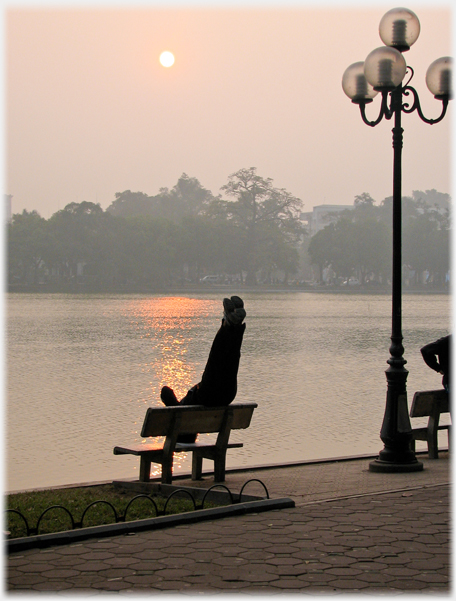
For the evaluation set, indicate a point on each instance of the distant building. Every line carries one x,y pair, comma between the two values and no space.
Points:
8,208
323,215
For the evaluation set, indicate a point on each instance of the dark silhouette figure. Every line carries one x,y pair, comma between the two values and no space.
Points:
218,385
437,355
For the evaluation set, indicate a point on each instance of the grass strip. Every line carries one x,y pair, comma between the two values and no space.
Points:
33,504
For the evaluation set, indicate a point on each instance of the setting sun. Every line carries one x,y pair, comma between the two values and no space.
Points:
167,59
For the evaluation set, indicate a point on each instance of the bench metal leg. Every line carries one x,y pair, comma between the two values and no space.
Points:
167,471
197,466
219,467
433,449
144,469
433,433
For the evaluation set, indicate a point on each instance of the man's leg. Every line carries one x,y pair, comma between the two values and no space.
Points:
170,400
218,384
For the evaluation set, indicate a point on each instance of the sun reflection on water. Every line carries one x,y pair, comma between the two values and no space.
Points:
169,323
171,326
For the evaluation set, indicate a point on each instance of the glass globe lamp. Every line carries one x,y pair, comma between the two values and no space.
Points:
384,68
355,84
439,77
399,28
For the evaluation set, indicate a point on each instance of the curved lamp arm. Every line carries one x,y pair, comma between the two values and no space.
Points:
417,107
385,111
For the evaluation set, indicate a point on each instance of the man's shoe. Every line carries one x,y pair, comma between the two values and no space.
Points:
240,314
228,310
239,307
237,302
168,397
233,316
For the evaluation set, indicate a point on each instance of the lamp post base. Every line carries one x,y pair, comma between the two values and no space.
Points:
390,467
396,433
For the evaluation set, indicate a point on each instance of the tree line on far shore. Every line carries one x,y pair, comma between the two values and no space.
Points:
254,235
358,242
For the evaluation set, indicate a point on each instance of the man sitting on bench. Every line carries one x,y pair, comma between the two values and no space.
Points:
437,356
218,385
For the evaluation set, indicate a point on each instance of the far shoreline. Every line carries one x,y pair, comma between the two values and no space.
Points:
222,288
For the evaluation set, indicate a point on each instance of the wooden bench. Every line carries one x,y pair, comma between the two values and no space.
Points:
430,403
190,419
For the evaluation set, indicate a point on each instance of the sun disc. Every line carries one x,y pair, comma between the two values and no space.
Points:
167,59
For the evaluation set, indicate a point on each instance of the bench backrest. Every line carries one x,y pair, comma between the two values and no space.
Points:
428,402
194,419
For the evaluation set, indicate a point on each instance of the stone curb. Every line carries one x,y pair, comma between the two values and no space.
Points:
73,536
374,493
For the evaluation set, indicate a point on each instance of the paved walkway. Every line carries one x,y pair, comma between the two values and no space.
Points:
351,530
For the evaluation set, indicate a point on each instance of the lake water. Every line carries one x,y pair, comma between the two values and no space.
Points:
82,370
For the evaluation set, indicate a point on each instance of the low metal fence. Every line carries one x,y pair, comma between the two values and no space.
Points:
122,517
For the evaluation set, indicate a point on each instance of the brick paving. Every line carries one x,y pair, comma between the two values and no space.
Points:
368,533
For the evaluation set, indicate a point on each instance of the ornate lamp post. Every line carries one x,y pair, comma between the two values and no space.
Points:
383,71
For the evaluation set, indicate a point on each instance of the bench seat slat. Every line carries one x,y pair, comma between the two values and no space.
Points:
145,449
422,433
138,450
191,446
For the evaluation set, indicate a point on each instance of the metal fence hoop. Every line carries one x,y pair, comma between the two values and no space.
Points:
181,490
253,480
217,486
140,497
28,530
49,509
95,503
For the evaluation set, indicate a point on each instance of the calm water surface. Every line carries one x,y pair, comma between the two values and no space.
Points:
82,370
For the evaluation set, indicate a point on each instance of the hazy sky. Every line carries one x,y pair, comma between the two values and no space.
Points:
89,110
